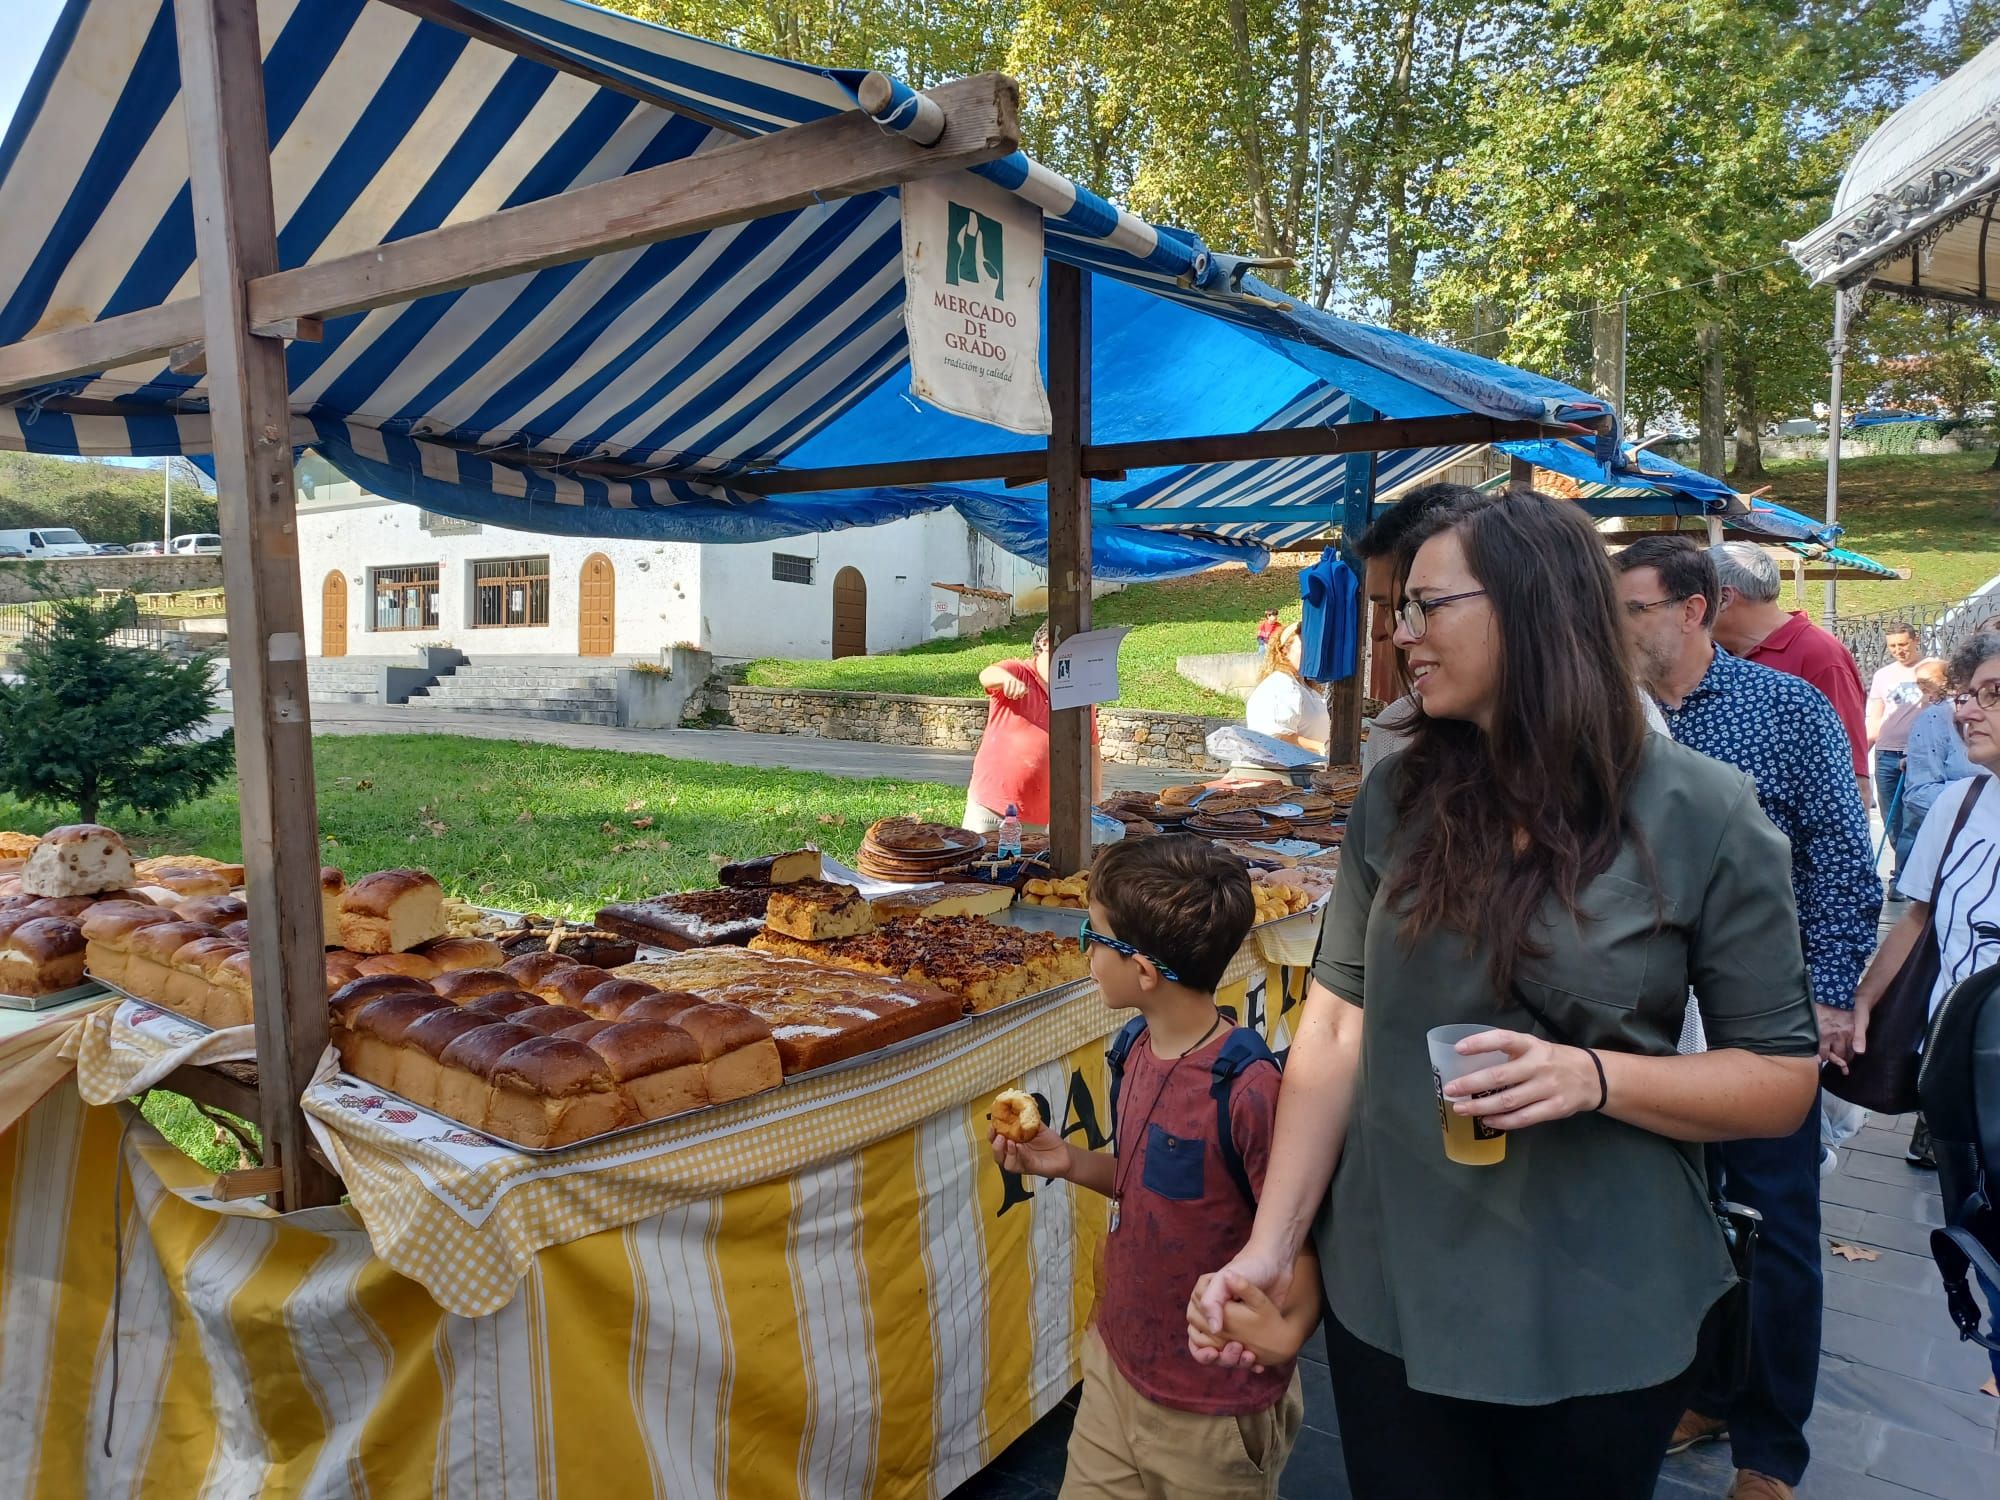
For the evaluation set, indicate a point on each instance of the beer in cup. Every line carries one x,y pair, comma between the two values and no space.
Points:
1467,1140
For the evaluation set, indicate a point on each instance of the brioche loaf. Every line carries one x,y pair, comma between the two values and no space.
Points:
418,1072
502,1004
415,965
531,970
332,886
391,911
611,997
341,966
547,1020
216,911
374,1036
739,1056
657,1064
452,954
41,956
186,882
569,986
469,984
350,997
82,859
550,1092
465,1069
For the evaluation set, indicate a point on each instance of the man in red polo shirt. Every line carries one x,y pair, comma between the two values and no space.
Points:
1011,766
1750,623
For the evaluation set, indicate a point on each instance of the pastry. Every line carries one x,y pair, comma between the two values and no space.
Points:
1016,1115
980,962
906,850
1071,892
954,899
18,846
391,911
814,910
81,859
231,874
694,919
549,1092
774,869
172,884
587,945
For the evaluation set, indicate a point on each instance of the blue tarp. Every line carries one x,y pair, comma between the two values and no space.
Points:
618,396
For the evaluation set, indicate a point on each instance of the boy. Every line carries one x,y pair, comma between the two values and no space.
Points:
1166,916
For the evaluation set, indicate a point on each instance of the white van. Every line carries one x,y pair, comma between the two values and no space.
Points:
196,542
48,541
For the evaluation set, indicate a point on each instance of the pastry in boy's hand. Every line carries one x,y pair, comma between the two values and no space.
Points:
1016,1116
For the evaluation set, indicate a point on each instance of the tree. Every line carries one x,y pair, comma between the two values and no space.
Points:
106,502
93,725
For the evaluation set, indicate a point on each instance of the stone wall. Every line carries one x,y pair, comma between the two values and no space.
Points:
24,581
1129,736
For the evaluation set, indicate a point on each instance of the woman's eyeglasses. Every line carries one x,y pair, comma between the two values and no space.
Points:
1987,695
1415,613
1086,937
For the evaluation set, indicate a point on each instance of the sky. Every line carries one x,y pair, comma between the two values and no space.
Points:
28,25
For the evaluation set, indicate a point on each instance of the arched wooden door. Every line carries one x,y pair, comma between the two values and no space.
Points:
597,607
333,615
850,613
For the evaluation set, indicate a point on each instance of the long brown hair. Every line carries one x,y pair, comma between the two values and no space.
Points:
1499,822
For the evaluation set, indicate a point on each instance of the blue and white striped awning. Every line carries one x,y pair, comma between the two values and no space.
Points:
668,368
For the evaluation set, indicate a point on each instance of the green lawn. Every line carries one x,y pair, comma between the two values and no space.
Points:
1931,514
1211,612
539,827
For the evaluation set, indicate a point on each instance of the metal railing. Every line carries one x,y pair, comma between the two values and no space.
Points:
1940,627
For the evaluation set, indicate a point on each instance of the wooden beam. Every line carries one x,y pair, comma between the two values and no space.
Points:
837,157
1072,755
222,92
1520,475
1108,460
470,23
1343,697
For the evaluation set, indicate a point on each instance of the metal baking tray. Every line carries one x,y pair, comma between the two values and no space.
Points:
85,991
165,1010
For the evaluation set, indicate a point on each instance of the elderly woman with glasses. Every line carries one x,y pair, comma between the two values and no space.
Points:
1538,865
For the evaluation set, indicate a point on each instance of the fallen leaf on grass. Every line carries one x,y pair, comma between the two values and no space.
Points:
607,827
526,816
642,822
1853,1252
832,820
718,860
637,804
364,785
488,889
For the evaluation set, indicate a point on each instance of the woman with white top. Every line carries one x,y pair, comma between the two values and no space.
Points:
1284,705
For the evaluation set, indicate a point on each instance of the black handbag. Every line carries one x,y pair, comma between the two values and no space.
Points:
1884,1078
1724,1345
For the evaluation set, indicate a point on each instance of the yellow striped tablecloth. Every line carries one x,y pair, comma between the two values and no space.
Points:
876,1319
32,1055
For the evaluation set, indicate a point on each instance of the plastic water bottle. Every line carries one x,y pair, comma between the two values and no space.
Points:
1010,833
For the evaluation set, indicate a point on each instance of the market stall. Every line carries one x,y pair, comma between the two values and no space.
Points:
624,283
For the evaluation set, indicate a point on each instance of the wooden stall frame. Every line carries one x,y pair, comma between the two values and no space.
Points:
248,306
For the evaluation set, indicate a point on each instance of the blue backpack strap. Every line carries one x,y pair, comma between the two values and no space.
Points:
1121,1047
1242,1052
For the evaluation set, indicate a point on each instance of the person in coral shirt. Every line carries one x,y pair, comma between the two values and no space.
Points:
1011,766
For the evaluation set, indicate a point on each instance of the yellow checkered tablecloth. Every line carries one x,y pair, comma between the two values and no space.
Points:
467,1223
122,1050
32,1055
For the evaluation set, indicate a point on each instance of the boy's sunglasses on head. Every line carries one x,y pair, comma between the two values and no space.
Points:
1086,937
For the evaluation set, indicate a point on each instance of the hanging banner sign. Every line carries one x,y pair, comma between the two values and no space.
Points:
972,301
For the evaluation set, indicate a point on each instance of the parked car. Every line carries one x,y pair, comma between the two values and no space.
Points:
143,549
111,549
48,541
11,552
196,542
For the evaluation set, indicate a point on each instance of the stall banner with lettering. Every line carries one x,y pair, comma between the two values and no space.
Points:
972,301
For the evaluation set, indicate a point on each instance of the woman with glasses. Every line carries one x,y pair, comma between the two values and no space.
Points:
1538,865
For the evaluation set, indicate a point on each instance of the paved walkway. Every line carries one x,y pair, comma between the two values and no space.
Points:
1899,1414
718,746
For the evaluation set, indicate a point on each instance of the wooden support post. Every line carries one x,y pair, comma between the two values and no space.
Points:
1071,751
222,92
1343,698
1520,475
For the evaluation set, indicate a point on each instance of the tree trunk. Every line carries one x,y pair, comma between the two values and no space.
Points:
1714,399
1250,132
1994,467
1749,466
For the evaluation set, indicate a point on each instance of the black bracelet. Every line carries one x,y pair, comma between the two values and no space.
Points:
1603,1088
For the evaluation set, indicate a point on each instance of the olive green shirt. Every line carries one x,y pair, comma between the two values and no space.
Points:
1584,1262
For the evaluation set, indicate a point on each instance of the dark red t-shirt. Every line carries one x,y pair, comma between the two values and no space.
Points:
1180,1216
1801,648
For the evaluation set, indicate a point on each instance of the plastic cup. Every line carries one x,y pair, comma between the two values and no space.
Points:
1469,1141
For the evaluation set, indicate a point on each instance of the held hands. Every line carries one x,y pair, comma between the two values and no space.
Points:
1841,1034
1539,1082
1047,1155
1223,1322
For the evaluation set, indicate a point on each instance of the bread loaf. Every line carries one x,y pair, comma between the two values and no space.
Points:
531,970
465,1069
418,1071
660,1005
186,882
453,954
17,846
232,980
467,985
70,907
82,859
739,1056
351,996
504,1003
414,965
238,930
188,985
374,1036
216,911
774,869
150,956
332,886
611,997
583,1031
657,1064
391,911
550,1092
41,956
547,1020
569,986
185,864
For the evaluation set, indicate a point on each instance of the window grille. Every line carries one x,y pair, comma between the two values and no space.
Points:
510,592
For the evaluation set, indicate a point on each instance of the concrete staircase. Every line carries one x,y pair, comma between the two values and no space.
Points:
342,679
564,689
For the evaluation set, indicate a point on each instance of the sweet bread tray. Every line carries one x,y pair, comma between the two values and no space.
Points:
89,989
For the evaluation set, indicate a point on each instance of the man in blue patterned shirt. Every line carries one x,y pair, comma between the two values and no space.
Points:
1784,734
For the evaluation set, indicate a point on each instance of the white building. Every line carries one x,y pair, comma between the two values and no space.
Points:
381,577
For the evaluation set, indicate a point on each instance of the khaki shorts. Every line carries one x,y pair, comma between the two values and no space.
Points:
980,819
1125,1447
